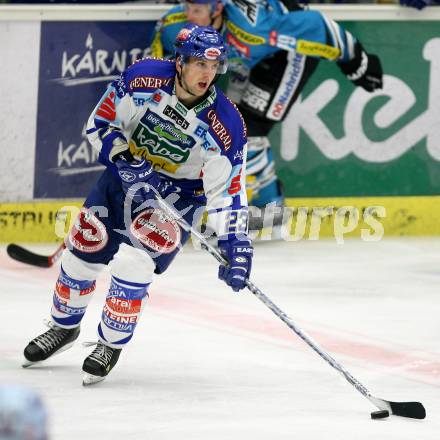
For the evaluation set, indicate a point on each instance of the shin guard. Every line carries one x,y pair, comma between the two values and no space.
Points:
70,300
122,310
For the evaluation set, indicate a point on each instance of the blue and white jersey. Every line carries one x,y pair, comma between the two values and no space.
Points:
202,148
254,30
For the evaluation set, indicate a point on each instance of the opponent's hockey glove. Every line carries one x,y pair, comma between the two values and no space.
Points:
365,70
133,175
239,255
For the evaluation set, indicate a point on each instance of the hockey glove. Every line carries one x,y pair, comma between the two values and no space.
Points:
133,174
121,151
239,254
365,70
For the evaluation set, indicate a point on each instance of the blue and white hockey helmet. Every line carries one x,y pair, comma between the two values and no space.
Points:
22,414
202,42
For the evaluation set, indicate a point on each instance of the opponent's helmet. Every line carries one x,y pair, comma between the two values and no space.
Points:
201,42
213,3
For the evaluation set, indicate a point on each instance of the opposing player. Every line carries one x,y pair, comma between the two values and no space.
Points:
165,124
276,47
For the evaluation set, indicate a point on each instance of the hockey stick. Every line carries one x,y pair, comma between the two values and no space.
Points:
23,255
414,410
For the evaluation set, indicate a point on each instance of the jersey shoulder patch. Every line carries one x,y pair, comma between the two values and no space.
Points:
150,73
226,123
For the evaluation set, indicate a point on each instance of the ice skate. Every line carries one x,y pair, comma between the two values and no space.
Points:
54,341
99,363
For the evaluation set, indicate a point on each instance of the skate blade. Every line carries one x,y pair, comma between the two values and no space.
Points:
27,364
90,379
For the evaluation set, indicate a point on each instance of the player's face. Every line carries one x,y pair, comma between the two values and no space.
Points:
199,14
198,74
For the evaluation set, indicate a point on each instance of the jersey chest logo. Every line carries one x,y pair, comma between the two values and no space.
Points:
176,117
161,138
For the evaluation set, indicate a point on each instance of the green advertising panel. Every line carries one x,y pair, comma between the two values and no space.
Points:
339,140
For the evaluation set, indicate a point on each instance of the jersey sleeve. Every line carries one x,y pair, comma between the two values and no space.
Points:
311,33
106,124
224,176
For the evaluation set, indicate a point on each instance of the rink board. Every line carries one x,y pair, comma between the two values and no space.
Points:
339,146
37,221
366,218
338,140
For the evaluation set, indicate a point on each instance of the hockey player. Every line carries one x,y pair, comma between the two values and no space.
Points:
162,123
274,48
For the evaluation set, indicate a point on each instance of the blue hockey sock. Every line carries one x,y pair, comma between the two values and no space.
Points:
122,310
70,300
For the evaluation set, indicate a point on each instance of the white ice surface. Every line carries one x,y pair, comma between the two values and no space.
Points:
209,364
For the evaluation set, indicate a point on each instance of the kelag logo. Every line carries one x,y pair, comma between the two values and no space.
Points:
77,62
161,138
339,140
307,115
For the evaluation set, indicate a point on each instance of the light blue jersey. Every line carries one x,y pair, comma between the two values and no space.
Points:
256,30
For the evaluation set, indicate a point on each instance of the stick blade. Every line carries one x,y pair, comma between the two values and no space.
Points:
413,410
21,254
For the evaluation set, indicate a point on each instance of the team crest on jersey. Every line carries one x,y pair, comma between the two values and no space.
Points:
249,10
88,234
156,230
